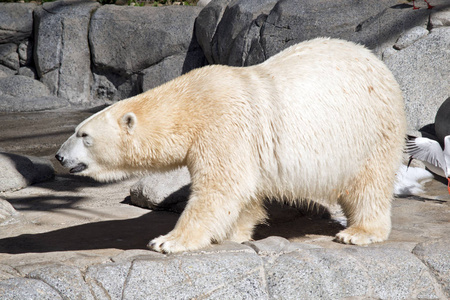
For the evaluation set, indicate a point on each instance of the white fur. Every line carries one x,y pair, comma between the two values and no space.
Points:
322,121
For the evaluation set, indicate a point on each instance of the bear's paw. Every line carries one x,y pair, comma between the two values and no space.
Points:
173,243
358,236
166,244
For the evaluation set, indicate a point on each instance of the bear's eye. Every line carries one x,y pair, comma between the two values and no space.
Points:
84,134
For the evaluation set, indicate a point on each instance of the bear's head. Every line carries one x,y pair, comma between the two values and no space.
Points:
98,147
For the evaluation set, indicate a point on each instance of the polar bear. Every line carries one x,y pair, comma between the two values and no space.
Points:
321,121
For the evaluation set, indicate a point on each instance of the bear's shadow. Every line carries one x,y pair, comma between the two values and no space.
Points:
284,221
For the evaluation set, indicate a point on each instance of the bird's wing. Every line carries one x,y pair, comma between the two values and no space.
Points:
426,150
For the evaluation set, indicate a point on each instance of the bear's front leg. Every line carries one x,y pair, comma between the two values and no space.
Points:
206,218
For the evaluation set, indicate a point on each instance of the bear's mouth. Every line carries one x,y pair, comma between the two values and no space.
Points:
78,168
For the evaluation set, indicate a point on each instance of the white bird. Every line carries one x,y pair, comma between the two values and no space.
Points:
430,152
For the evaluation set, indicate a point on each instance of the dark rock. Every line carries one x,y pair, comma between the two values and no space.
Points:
206,24
248,32
125,41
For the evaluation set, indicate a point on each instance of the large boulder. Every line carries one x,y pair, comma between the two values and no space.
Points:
62,54
163,191
20,171
137,47
16,22
422,69
22,93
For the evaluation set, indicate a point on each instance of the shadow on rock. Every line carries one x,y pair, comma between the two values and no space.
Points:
120,234
296,222
284,221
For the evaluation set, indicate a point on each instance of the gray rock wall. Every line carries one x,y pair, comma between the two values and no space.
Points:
87,54
272,268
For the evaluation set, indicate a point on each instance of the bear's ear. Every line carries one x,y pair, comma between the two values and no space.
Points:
129,122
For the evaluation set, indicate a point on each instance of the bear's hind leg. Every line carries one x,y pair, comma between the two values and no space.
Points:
367,206
366,223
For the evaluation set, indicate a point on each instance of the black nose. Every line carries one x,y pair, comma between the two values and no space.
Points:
59,158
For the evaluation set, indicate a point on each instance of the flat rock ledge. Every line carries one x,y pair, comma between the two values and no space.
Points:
273,268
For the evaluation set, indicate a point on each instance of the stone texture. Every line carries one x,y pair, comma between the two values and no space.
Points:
127,40
212,276
225,29
423,93
22,93
7,213
436,255
107,281
26,104
22,86
352,272
409,37
9,56
24,288
170,68
62,53
16,21
67,280
6,72
206,24
270,245
25,51
162,191
20,171
248,32
28,72
7,272
440,17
